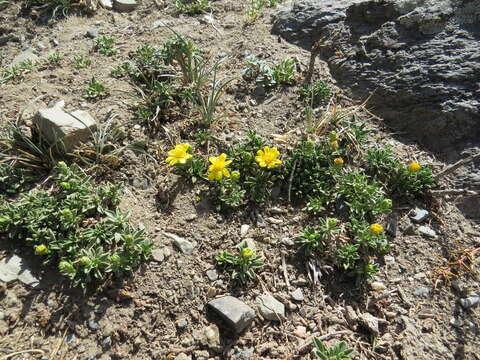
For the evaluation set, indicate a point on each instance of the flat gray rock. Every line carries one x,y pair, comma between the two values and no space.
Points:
427,231
57,126
184,245
419,215
124,5
270,308
236,313
14,268
297,295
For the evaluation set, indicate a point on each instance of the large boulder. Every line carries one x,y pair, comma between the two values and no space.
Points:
419,58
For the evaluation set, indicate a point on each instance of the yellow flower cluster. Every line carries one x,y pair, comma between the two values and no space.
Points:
376,228
414,166
338,161
179,154
218,167
40,249
267,157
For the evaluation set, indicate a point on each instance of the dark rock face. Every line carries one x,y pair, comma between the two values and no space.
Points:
421,58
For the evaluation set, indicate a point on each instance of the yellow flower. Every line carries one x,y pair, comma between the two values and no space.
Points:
414,166
218,169
334,144
268,157
40,249
247,253
179,154
376,228
338,161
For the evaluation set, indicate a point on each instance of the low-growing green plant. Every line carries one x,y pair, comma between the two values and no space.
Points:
105,45
54,58
242,267
315,93
16,72
14,179
269,74
319,238
192,7
253,10
338,352
284,72
57,8
82,62
95,90
76,226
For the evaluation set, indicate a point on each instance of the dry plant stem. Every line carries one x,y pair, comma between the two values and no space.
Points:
302,349
455,166
285,273
32,351
455,192
313,56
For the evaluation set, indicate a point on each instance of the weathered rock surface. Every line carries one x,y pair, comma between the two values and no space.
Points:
14,268
71,128
270,308
236,313
421,57
124,5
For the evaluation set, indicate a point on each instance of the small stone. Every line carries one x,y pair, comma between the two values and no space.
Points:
244,230
419,276
273,220
422,291
183,356
106,341
26,55
212,336
297,295
377,286
191,217
470,301
211,292
181,324
93,325
350,315
370,322
14,268
248,242
455,322
159,23
245,354
158,255
392,225
270,308
427,231
167,252
419,215
107,4
124,5
287,241
212,274
389,259
184,245
237,314
71,128
92,33
300,331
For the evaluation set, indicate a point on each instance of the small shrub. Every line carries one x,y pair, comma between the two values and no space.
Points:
338,352
95,90
105,46
315,93
192,7
284,73
76,226
242,267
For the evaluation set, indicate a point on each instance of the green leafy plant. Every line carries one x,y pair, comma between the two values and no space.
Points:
315,93
105,45
269,74
338,352
318,239
242,267
75,225
16,72
57,8
253,10
284,72
192,7
95,90
54,58
82,62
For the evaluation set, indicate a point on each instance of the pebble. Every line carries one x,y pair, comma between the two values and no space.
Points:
248,242
272,220
244,354
92,33
14,268
212,274
389,259
370,322
124,5
244,230
212,336
287,241
300,331
167,252
236,313
181,323
470,301
422,291
158,255
270,308
70,338
377,286
419,215
184,245
92,325
107,4
427,231
107,341
297,295
455,322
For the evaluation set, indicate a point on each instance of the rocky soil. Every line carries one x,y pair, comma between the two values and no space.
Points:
161,311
